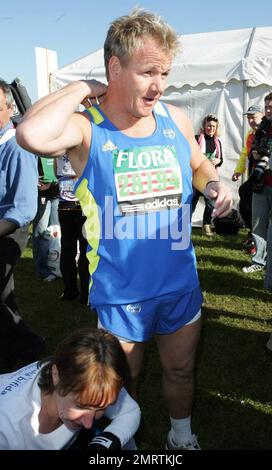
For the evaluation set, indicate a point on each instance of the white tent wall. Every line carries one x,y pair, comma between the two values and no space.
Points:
220,72
224,100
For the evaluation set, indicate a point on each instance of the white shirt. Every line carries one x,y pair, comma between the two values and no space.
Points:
20,404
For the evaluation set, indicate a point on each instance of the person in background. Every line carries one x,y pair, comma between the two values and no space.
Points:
54,404
47,216
136,159
71,222
210,146
244,165
261,176
18,206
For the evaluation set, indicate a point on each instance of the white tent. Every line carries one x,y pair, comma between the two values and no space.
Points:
220,72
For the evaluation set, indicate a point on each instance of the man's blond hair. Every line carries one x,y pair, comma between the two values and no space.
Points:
129,32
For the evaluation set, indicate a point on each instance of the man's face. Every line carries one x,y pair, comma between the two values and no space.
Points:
5,112
142,80
254,119
268,109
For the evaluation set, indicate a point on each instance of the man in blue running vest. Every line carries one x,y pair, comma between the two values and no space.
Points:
136,159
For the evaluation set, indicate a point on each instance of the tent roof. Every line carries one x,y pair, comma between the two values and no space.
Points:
242,54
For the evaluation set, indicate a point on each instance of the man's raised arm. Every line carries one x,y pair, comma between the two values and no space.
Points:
51,126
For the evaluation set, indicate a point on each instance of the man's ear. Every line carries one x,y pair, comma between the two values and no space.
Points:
114,68
55,374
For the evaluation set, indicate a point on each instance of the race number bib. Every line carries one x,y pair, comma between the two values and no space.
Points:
147,179
66,188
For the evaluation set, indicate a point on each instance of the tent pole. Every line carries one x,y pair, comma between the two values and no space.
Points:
46,63
245,90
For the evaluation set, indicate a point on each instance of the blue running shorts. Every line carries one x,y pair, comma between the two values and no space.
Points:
139,321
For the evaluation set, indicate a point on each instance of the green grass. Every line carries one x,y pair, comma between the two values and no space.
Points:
233,399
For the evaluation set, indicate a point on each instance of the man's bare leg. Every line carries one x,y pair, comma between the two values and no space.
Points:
177,353
135,354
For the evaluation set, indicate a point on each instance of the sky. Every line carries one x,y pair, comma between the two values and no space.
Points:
76,28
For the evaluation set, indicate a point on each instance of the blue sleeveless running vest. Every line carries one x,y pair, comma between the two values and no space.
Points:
136,195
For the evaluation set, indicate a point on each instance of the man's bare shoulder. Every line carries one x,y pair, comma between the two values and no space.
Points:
185,125
181,120
176,111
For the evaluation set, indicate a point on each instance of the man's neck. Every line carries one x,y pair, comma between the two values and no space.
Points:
4,129
125,121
